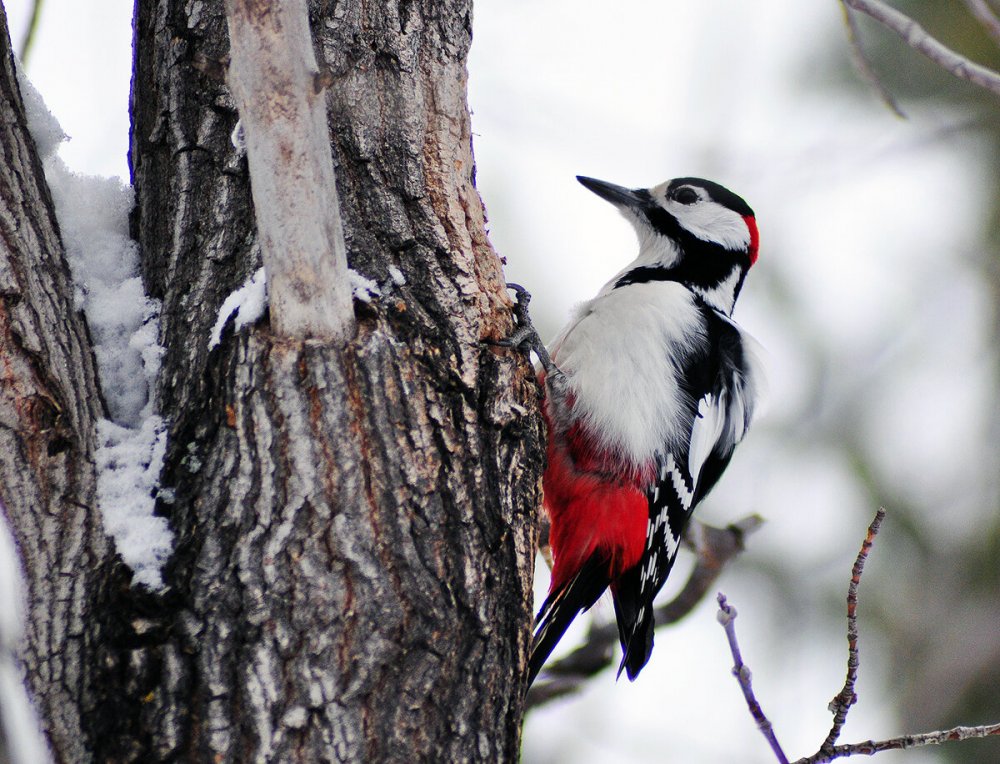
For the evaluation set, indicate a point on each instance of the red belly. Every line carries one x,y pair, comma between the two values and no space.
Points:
595,505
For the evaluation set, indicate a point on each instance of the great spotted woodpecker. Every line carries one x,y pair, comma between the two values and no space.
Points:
648,390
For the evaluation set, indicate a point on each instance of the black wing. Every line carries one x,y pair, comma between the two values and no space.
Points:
721,390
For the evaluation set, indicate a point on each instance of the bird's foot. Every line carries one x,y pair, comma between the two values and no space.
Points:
525,337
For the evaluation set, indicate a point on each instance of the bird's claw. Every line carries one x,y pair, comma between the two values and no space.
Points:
525,336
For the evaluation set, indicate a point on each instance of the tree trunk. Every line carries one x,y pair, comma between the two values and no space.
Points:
355,523
49,403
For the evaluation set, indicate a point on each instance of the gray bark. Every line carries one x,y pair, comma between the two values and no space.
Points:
49,402
355,522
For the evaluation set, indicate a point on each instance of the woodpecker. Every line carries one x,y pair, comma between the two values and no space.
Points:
648,389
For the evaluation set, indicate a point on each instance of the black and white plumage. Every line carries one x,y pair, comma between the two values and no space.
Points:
652,388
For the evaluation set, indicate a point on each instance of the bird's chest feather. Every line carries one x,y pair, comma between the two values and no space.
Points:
623,354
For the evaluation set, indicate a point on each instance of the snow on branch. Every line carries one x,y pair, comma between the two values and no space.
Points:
244,306
917,38
847,697
279,94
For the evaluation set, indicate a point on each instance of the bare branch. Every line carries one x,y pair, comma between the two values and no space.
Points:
727,617
279,94
985,16
714,548
847,697
917,38
871,747
864,65
28,41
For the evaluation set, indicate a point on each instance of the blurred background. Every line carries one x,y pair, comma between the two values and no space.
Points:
875,296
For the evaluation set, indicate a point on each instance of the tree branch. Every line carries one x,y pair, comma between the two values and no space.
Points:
871,747
714,548
917,38
985,16
727,617
847,697
280,97
864,65
28,40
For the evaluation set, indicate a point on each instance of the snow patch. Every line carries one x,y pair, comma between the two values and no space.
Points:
362,287
18,721
11,587
397,276
239,138
244,306
42,124
124,323
129,461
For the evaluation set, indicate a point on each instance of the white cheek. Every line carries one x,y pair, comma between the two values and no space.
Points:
654,248
713,222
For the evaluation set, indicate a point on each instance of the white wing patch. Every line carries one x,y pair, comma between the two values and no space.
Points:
685,494
708,427
720,424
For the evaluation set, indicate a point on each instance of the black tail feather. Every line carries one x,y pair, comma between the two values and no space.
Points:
562,606
636,623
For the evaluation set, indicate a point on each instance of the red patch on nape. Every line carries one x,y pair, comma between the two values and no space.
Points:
751,222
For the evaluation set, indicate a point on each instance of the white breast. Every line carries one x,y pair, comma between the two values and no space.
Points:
620,354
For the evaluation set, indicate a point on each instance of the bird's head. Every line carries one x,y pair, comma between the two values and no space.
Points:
690,230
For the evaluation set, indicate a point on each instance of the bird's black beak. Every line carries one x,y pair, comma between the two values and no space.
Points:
617,195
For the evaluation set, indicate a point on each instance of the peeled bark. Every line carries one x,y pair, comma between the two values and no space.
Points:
278,91
355,521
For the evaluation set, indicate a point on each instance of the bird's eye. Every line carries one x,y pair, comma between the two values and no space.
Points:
685,195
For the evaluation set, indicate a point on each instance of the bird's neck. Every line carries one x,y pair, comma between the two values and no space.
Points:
716,276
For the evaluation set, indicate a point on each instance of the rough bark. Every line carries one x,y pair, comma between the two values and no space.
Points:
49,402
355,523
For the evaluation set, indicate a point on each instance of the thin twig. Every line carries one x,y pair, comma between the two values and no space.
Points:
727,616
847,697
714,549
985,16
28,41
864,65
871,747
918,39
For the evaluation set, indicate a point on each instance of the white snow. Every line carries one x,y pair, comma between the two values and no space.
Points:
239,138
11,588
18,722
396,275
247,304
362,287
42,125
244,306
124,323
128,463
